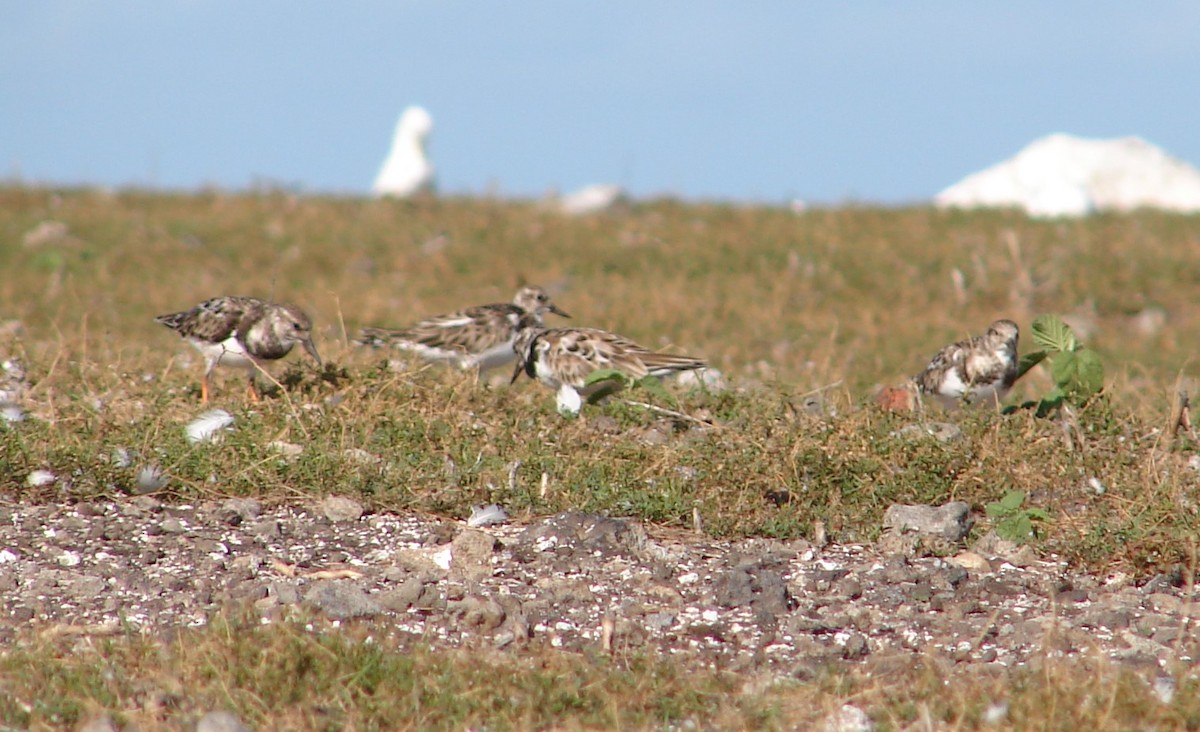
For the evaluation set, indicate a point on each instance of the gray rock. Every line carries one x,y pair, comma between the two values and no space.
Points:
235,511
266,530
950,521
762,590
471,554
86,587
339,509
856,647
408,594
172,525
285,593
221,722
481,613
575,533
341,599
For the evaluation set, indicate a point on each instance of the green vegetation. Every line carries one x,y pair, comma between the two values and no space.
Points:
807,315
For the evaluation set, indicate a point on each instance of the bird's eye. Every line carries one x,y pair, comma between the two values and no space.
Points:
296,326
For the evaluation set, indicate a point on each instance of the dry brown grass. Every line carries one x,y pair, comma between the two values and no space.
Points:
832,302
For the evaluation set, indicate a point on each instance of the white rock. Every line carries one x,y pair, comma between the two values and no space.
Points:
709,378
486,516
1062,175
11,413
40,478
848,719
996,713
595,198
407,169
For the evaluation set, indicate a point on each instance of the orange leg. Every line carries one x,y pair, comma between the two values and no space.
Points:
251,391
204,388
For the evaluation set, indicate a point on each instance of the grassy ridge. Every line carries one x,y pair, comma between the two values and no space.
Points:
808,313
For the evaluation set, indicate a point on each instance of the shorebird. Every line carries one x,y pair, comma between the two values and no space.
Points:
476,337
241,332
563,358
974,370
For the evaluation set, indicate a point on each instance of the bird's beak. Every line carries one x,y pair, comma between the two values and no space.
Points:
557,310
312,350
517,372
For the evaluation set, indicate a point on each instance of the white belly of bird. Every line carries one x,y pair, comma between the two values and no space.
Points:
494,357
228,352
950,392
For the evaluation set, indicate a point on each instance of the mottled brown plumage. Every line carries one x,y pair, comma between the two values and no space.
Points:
476,337
241,332
564,358
974,370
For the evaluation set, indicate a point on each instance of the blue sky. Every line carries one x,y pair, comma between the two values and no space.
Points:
764,101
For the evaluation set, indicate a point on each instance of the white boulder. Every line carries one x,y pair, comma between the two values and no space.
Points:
1062,175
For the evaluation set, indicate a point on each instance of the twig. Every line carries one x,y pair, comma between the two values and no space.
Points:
670,413
820,389
1183,417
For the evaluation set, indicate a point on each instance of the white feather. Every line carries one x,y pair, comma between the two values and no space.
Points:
207,426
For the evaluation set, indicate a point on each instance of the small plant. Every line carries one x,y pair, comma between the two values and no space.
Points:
1013,522
613,380
1077,371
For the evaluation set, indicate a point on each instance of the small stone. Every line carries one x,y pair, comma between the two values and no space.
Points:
234,511
103,723
847,719
850,588
856,647
340,599
339,509
221,722
1164,603
39,478
407,595
288,450
482,613
471,554
950,521
971,562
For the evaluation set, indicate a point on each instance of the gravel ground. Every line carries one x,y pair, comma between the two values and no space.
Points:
574,581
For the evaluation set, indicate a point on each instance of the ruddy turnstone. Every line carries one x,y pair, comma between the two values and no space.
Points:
978,369
480,336
241,332
563,358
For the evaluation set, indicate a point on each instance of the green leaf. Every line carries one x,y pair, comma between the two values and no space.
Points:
610,387
1048,406
1089,372
606,375
1062,369
1052,334
995,510
653,385
1037,513
1028,361
1013,500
